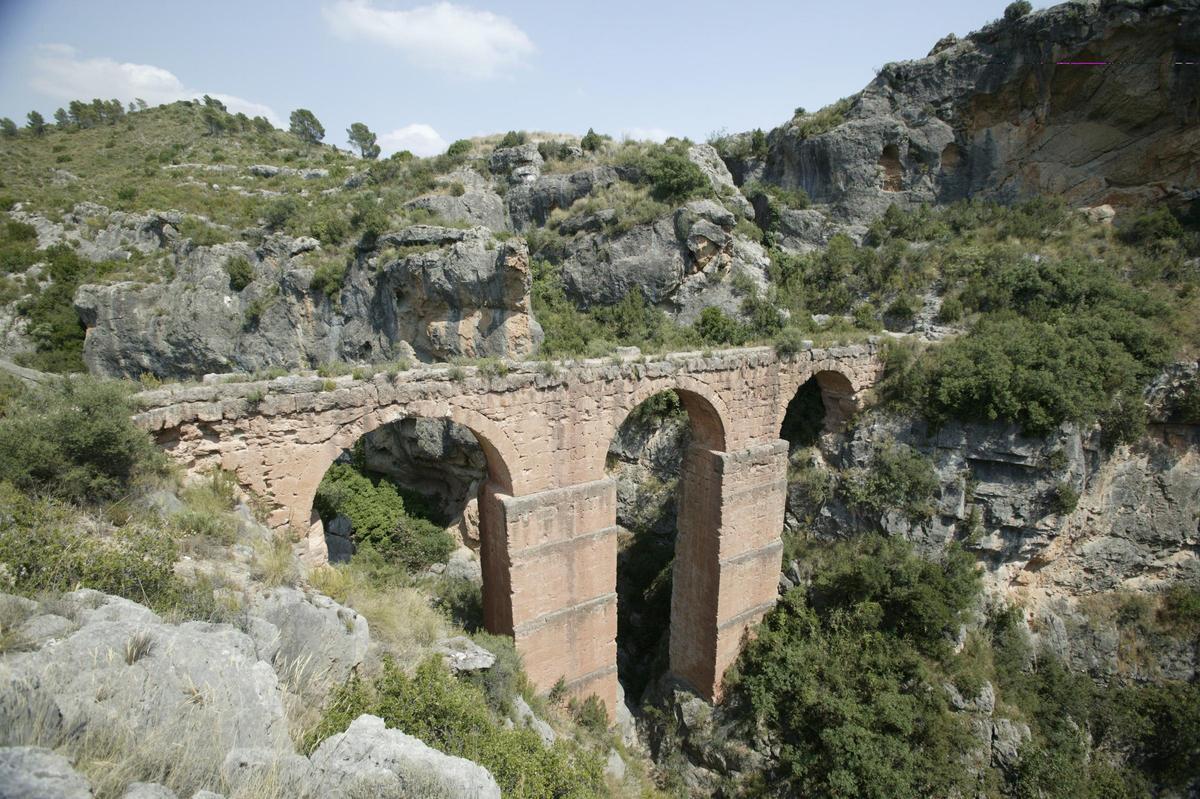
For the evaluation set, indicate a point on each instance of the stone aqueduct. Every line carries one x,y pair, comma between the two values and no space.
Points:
548,511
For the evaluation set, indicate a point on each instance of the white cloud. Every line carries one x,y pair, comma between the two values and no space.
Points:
442,36
419,138
647,134
60,72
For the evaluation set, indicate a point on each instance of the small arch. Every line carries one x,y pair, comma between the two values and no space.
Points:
704,409
827,394
497,449
893,170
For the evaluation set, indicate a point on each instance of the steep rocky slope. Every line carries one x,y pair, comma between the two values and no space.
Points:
1094,102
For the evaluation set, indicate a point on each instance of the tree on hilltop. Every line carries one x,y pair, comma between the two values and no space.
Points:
214,120
362,138
8,128
306,127
62,120
37,123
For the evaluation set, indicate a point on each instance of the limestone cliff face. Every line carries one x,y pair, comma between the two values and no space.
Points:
426,292
1135,527
999,115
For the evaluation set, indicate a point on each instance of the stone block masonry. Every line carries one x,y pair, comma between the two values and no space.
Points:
548,510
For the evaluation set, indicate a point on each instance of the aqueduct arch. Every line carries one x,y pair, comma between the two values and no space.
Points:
548,510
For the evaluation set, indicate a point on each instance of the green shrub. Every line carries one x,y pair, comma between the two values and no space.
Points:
589,713
1063,498
379,518
54,326
1017,9
454,717
591,141
951,310
329,227
902,308
898,478
714,327
828,118
279,212
841,683
513,138
1038,374
672,176
459,148
46,550
505,679
74,440
368,217
241,273
328,278
790,341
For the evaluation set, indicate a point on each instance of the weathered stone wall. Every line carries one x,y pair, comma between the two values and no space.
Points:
548,511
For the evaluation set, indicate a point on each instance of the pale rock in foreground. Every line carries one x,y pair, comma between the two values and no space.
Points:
30,772
370,756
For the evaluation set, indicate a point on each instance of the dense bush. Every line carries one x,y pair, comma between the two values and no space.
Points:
1017,9
240,272
672,176
898,478
454,717
1093,740
840,681
379,517
54,326
1038,374
46,549
514,138
74,440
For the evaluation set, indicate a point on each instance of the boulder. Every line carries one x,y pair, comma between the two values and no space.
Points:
530,204
709,160
315,641
369,756
462,655
125,672
1007,738
30,772
520,164
148,790
474,206
524,716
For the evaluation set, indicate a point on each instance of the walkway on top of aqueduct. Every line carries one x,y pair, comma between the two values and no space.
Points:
548,510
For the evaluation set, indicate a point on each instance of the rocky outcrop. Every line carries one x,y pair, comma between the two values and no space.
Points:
1004,113
313,639
530,204
30,772
114,235
369,759
429,291
200,703
117,668
684,263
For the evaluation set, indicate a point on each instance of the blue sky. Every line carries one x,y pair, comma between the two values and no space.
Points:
423,73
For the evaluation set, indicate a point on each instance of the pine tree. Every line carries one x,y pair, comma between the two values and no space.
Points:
37,123
362,138
306,127
8,128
